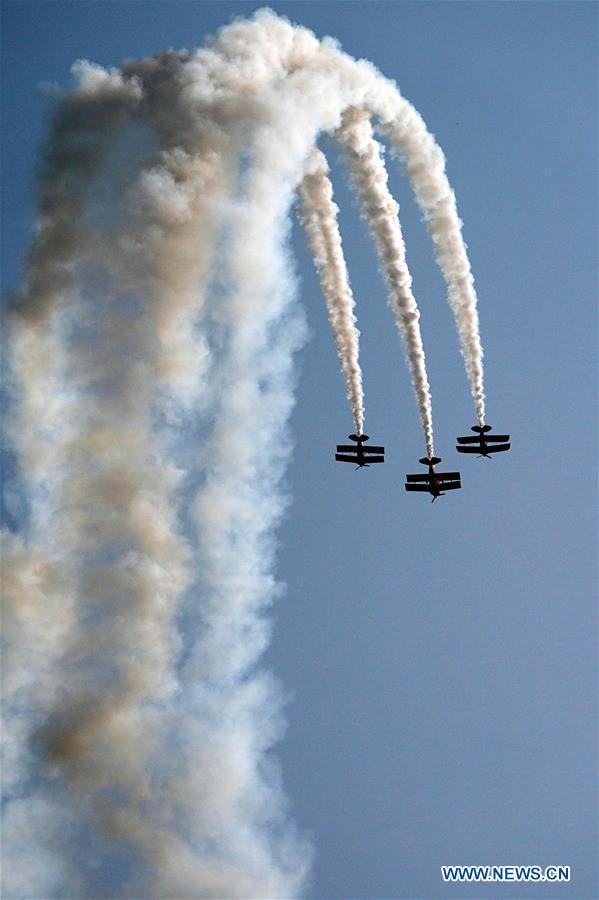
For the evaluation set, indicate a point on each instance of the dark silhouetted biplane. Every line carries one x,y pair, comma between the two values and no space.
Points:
435,483
484,443
359,455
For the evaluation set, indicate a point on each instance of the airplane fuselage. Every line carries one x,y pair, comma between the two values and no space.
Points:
360,456
435,483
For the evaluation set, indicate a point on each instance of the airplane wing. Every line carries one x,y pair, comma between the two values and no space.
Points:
374,459
448,476
497,449
412,478
341,458
417,487
351,448
452,486
489,438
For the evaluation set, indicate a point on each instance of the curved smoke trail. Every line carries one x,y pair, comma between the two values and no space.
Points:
368,174
318,213
158,317
426,169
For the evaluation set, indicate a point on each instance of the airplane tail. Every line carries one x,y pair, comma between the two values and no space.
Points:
359,438
430,460
481,429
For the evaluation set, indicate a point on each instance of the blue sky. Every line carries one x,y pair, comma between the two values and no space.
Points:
440,661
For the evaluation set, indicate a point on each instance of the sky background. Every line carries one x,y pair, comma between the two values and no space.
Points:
440,661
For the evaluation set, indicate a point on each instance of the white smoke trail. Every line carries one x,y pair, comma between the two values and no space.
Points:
159,312
380,210
318,214
425,164
426,169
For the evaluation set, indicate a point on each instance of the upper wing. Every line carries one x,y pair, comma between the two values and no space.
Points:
417,487
489,438
411,478
352,448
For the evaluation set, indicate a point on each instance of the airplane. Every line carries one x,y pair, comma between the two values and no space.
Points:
436,483
480,443
361,455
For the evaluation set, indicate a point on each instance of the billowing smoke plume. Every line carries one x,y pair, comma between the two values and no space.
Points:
318,213
380,210
152,349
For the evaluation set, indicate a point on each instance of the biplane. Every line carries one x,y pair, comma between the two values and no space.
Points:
359,454
483,443
435,483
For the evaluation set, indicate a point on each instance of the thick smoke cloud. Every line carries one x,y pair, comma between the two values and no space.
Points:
152,349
